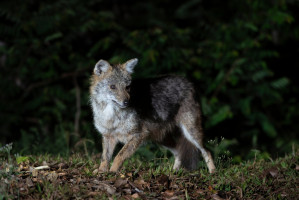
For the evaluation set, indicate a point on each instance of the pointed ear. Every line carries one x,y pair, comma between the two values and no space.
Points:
101,66
130,64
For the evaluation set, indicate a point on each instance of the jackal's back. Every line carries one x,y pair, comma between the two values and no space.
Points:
160,98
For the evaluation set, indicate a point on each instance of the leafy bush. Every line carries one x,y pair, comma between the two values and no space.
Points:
240,55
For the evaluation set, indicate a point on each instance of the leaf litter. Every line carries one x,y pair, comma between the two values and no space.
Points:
70,180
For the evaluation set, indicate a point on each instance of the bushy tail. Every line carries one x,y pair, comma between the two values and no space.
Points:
188,153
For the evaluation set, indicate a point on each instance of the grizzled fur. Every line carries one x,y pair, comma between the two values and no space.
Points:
160,109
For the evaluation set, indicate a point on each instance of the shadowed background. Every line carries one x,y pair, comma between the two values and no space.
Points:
241,55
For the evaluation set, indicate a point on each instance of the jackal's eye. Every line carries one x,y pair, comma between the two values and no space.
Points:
112,87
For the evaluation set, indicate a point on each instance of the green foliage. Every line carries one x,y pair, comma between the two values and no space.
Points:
235,52
21,159
7,169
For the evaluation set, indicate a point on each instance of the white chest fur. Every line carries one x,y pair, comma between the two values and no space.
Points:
108,112
110,119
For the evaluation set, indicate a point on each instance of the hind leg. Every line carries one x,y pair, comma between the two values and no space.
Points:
170,142
177,160
194,134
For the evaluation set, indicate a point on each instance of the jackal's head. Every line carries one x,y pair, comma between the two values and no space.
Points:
111,84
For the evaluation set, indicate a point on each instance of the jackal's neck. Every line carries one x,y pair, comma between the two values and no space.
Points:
98,104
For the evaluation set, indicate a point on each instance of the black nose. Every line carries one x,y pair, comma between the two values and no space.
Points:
126,102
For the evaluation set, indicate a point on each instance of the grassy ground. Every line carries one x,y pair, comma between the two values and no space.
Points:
73,178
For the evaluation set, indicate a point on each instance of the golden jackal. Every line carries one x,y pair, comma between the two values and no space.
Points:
161,109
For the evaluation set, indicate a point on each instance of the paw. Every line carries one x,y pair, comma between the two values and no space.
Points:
212,170
114,169
102,169
99,171
95,172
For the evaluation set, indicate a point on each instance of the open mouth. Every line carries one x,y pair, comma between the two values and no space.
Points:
121,106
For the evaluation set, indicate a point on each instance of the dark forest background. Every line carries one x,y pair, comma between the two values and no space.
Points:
242,56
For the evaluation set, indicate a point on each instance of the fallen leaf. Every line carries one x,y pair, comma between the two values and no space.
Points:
200,191
273,172
122,176
20,168
78,180
135,196
216,197
174,186
284,194
127,191
270,172
29,182
168,193
75,188
134,187
95,181
91,194
34,172
7,169
175,198
105,187
120,182
140,182
62,174
52,176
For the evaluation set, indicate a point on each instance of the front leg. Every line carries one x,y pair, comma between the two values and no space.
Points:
127,150
109,144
